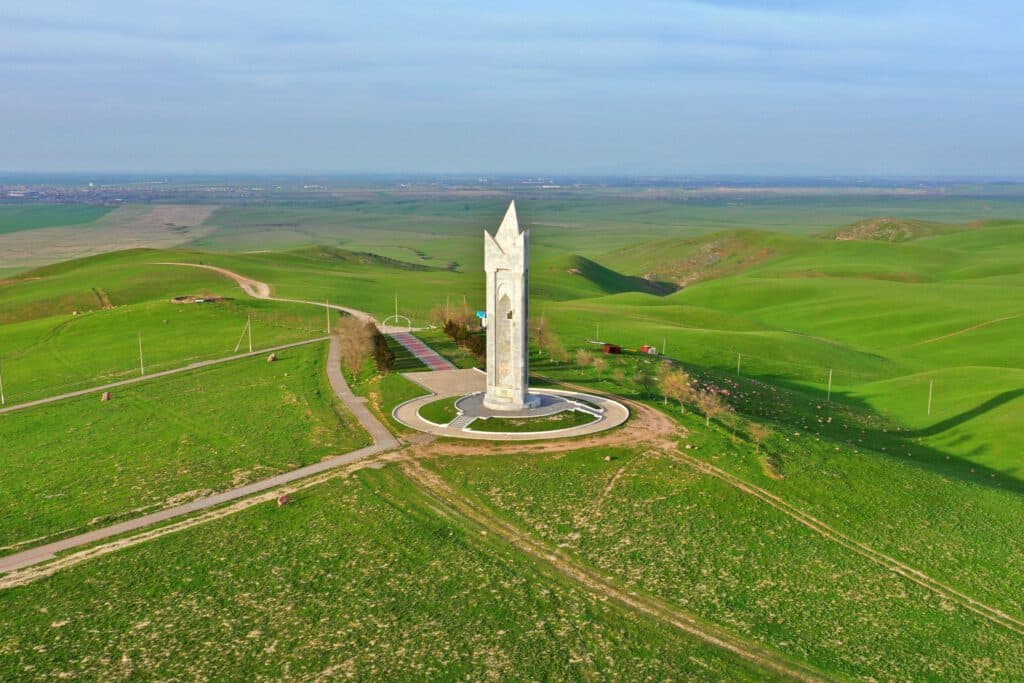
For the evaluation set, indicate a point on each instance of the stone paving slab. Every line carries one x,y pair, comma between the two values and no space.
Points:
450,382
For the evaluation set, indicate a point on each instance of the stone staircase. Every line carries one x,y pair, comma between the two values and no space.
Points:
588,409
461,422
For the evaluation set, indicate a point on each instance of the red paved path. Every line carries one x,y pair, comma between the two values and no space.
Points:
431,358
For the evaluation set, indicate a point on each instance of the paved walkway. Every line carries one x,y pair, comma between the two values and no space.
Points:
382,441
453,382
431,358
162,373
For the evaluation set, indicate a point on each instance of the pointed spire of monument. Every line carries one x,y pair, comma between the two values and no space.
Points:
509,236
510,223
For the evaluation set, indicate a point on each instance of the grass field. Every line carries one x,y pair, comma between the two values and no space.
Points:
660,527
883,318
30,217
358,578
78,324
76,464
853,469
877,338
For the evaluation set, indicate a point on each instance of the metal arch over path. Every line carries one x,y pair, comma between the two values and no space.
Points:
398,318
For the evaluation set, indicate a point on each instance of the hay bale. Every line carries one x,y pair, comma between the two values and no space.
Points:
105,396
271,358
284,500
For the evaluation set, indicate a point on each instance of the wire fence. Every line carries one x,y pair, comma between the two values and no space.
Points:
20,386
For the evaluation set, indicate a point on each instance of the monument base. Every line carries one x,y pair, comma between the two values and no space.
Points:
502,406
540,405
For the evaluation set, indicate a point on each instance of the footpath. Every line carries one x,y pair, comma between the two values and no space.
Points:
383,440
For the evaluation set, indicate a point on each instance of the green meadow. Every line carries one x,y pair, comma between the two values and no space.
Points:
360,578
660,527
30,217
876,337
928,297
79,324
78,464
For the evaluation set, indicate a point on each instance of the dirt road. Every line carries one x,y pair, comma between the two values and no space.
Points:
261,290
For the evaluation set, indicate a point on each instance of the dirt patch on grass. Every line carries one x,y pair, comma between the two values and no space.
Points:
127,227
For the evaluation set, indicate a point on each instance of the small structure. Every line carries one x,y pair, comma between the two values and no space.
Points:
271,358
105,396
611,348
196,299
649,350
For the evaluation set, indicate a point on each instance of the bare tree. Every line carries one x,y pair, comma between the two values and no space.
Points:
677,385
600,364
759,433
584,358
547,341
356,343
555,349
710,404
540,332
645,380
438,315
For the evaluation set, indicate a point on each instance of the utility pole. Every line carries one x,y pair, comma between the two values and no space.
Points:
447,307
739,360
597,332
248,326
327,306
931,384
3,399
664,347
830,385
142,366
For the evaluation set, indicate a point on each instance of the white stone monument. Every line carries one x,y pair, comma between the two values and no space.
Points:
507,264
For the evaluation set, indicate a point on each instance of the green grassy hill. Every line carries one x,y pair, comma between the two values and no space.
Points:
922,303
166,442
577,277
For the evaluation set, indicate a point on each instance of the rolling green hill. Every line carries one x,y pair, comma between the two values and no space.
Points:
887,368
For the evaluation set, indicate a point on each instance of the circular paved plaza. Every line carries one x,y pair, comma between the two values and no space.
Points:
469,384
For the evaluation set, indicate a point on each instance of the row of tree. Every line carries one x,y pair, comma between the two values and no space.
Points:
360,341
467,337
676,384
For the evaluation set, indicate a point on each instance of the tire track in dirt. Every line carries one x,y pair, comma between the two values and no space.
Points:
458,505
599,501
949,593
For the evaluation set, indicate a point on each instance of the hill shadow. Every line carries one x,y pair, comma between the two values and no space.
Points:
854,423
802,406
959,419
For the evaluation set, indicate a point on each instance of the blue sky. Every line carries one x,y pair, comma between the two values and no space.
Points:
642,87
